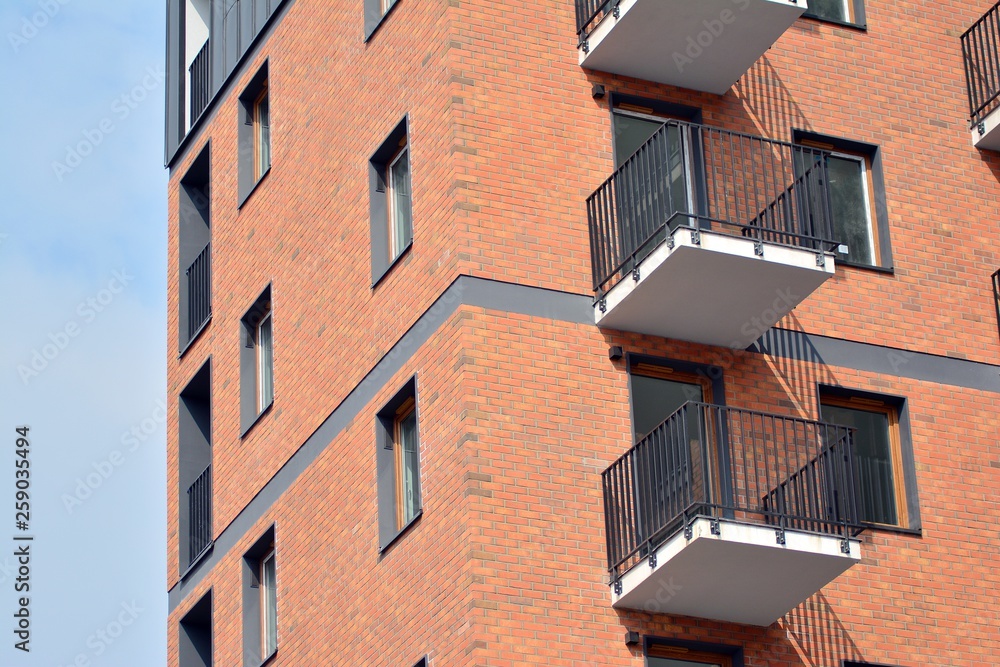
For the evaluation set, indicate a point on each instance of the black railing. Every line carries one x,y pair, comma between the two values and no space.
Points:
200,515
689,175
982,64
199,277
589,13
201,82
727,463
996,296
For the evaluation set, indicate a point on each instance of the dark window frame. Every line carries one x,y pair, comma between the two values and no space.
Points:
860,19
733,653
880,229
194,455
251,410
390,525
382,259
247,143
191,638
194,224
909,492
375,15
253,599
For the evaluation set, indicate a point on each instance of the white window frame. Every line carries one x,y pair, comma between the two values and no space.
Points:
863,161
267,613
391,187
261,402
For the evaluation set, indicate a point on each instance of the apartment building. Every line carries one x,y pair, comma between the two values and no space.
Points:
606,332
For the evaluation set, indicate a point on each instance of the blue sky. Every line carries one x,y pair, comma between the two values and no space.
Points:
83,265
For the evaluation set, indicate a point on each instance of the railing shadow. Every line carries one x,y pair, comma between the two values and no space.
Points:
796,361
817,633
768,102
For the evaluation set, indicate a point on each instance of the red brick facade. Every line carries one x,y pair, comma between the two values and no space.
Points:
519,414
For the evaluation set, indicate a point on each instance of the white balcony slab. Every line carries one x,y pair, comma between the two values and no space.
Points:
741,575
713,288
699,44
986,135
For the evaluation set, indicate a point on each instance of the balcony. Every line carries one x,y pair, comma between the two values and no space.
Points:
199,288
730,514
699,44
200,82
200,515
709,236
981,53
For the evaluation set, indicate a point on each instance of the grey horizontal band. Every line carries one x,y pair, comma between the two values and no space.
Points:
577,309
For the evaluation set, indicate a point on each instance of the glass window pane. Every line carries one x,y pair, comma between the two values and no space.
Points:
836,10
873,461
655,399
410,468
671,662
850,209
265,353
269,601
630,133
399,182
263,135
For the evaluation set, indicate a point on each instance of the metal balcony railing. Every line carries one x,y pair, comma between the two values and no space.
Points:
981,53
200,515
996,296
590,12
201,81
728,463
707,178
199,277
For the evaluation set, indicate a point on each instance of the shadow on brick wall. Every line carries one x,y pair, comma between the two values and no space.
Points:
816,633
768,102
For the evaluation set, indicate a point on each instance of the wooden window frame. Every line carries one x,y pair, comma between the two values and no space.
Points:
891,411
403,412
680,653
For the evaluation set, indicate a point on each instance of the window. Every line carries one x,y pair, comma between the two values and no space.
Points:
883,457
400,223
261,134
269,604
254,136
265,361
658,391
398,461
857,200
195,646
668,653
260,601
375,13
839,11
390,197
256,361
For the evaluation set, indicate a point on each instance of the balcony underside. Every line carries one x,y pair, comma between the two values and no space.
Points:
986,134
717,291
698,44
741,575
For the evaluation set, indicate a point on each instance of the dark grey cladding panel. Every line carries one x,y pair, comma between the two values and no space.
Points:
835,352
577,309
